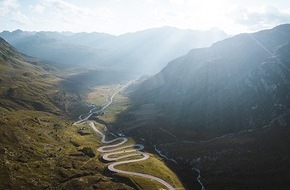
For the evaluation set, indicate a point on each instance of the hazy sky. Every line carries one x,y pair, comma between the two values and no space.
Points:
121,16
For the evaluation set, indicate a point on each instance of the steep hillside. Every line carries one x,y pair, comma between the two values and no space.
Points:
222,113
239,83
23,79
39,148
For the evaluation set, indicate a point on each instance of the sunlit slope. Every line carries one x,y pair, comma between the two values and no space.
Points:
26,83
39,149
239,83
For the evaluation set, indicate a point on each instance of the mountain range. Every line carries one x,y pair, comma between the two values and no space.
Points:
52,47
238,83
143,52
221,112
148,51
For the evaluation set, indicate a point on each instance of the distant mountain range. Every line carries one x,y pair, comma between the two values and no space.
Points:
148,51
52,47
143,52
239,83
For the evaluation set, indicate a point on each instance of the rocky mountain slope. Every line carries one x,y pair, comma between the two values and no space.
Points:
236,84
220,112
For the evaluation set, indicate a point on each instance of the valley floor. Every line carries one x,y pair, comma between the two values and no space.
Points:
151,167
39,150
250,159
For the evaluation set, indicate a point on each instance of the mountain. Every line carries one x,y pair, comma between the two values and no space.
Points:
144,52
16,35
222,112
39,148
239,83
53,47
93,39
22,79
148,51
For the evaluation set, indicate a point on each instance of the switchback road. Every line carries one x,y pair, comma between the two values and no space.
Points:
111,151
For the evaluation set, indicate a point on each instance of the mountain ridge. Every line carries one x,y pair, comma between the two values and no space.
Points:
217,68
222,111
134,52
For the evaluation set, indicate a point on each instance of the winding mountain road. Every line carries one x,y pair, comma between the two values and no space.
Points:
104,107
112,150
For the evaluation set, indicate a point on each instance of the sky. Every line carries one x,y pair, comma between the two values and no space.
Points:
123,16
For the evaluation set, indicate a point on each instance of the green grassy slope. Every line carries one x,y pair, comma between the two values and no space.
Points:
39,147
24,80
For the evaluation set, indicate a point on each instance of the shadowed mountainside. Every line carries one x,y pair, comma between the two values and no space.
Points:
239,83
222,111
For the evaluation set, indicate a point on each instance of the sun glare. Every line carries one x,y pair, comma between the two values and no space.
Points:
207,14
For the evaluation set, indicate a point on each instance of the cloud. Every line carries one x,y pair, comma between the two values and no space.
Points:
65,16
10,12
178,2
68,11
68,8
37,8
8,6
19,18
119,16
256,18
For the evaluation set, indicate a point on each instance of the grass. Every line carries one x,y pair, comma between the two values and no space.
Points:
36,153
26,86
39,146
119,105
99,95
154,165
